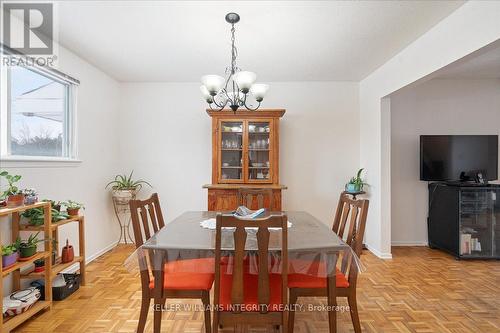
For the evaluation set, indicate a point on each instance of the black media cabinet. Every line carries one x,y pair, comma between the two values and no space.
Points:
464,220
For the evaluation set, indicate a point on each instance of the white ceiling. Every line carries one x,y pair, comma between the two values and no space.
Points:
279,40
485,65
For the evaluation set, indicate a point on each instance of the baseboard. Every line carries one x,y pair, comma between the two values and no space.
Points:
409,243
88,260
378,253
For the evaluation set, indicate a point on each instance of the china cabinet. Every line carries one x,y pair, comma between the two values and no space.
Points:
245,154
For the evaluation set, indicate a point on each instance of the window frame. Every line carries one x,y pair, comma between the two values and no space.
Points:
70,151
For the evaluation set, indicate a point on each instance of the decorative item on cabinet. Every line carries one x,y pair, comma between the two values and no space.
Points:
253,164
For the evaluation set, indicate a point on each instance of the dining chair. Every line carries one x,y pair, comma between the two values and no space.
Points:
240,296
349,224
255,198
179,282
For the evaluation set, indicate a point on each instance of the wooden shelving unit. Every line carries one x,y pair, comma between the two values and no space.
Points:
9,323
59,266
19,272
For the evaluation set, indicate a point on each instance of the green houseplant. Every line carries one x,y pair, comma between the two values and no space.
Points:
55,204
125,188
72,207
14,197
27,248
35,216
9,255
356,183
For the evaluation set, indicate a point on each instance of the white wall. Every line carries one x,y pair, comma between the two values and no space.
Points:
97,112
448,41
447,107
166,138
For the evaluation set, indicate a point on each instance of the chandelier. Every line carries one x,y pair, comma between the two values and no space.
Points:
234,90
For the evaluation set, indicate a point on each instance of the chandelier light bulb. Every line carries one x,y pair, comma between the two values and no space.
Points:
259,90
244,80
213,83
206,94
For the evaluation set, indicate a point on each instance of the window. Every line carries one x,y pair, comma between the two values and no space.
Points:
37,118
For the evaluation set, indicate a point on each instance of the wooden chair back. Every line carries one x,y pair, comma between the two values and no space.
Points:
248,196
349,224
240,236
147,218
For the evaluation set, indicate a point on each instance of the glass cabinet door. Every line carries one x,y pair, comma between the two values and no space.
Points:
259,151
477,220
231,151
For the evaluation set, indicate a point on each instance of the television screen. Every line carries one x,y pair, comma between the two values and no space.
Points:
446,157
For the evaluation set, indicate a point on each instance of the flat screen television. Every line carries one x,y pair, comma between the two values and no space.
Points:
447,157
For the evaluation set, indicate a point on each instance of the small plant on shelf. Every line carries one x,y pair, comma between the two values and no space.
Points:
14,197
39,265
27,248
125,188
30,196
72,207
36,217
54,204
9,255
356,183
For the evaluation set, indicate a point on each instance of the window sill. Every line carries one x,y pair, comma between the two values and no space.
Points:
37,162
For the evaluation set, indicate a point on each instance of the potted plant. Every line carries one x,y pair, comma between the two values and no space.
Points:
36,217
9,255
73,207
39,265
55,204
356,183
124,188
27,248
14,197
30,196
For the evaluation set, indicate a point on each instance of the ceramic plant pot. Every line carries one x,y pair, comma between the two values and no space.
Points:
68,254
122,197
73,211
39,266
15,200
9,260
29,200
27,252
353,188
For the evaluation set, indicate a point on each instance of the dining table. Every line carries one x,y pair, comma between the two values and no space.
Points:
192,235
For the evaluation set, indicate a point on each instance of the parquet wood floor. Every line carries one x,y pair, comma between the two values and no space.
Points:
420,290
